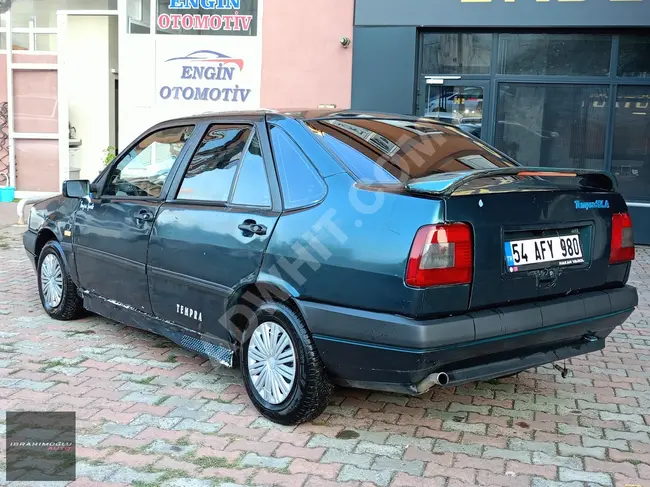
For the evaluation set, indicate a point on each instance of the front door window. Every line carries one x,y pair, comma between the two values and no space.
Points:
458,105
144,170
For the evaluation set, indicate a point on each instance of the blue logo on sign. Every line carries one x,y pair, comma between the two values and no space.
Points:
591,205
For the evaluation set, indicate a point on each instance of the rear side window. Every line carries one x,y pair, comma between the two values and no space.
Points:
389,151
252,184
211,172
300,182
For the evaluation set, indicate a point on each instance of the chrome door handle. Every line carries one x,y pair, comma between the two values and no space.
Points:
144,215
251,227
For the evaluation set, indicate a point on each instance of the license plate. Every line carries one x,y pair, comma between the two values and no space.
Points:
564,250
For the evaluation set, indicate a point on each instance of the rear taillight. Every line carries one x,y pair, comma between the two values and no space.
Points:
441,255
622,249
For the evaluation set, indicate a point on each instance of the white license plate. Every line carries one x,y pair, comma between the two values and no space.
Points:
565,250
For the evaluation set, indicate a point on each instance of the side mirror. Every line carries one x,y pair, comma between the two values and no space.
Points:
76,188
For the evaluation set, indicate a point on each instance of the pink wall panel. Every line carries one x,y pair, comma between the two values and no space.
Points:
35,58
36,102
3,78
303,62
37,165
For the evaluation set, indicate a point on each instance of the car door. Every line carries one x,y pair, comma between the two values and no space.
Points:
111,233
210,235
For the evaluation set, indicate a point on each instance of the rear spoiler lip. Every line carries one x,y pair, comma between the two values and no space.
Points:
445,184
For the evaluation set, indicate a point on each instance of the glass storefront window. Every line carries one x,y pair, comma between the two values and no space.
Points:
460,105
456,53
554,54
227,17
631,150
45,42
138,16
553,125
20,41
634,56
42,13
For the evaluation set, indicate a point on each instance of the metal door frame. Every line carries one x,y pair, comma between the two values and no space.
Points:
63,86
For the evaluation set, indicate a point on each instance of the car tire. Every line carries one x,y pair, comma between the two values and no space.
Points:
51,266
308,394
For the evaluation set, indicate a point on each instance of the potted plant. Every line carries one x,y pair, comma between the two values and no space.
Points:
109,154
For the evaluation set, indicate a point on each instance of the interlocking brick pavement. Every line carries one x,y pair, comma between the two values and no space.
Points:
152,414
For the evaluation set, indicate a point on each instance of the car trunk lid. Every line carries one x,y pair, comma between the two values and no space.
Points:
537,232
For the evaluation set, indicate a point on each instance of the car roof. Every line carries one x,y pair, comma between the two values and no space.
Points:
295,113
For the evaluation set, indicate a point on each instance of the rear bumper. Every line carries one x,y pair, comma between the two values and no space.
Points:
387,352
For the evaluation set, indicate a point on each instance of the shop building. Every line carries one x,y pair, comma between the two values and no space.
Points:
551,83
84,76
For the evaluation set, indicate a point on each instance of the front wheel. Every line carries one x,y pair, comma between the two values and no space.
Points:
58,293
282,372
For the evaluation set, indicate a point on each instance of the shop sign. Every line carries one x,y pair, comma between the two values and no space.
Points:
212,17
194,75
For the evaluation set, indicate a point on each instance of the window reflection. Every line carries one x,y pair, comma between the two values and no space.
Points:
554,54
144,170
418,148
212,170
43,13
458,105
631,151
634,56
252,184
552,125
138,16
300,182
456,53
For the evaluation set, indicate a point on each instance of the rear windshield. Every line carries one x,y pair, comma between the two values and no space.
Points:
390,151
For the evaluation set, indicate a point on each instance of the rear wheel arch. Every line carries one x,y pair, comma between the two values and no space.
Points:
310,387
248,299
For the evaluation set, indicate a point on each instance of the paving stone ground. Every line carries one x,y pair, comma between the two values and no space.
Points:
151,414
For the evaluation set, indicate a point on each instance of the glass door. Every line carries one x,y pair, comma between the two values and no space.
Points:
457,102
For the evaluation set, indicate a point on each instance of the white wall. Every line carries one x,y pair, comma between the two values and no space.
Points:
88,65
137,85
137,80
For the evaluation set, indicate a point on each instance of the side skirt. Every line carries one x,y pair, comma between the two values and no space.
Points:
208,346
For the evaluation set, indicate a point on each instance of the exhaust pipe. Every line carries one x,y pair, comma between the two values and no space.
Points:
440,378
435,379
